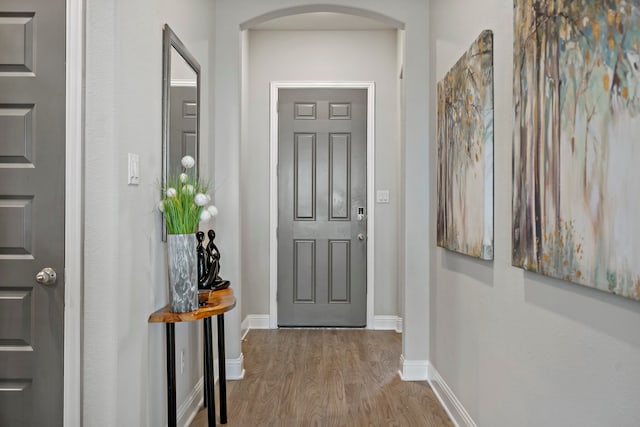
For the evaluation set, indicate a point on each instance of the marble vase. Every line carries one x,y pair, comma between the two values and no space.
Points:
183,273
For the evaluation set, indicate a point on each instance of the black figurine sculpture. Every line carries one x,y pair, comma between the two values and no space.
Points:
209,263
202,262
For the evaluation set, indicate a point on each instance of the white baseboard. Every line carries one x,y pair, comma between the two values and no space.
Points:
191,406
448,399
413,370
235,368
387,323
380,323
254,321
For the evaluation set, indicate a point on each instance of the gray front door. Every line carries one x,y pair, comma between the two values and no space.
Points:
32,168
322,178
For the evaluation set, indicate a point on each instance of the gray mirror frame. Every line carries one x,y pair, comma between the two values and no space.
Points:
171,40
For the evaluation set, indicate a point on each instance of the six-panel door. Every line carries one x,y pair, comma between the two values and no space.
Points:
321,207
32,153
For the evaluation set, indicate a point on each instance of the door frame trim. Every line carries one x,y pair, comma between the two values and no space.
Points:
73,217
273,186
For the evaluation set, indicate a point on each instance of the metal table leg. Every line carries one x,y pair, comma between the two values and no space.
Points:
222,375
172,419
208,383
204,363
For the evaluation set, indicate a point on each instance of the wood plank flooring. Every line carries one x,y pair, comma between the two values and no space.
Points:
332,377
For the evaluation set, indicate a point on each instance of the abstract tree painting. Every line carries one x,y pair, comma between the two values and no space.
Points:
465,153
576,156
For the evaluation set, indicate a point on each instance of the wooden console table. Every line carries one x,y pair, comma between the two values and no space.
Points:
212,303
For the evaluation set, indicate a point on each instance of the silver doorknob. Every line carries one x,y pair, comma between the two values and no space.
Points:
46,276
361,236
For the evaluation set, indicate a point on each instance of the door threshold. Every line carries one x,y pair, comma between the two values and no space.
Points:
323,327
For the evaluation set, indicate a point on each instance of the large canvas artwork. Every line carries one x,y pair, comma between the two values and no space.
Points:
465,153
576,149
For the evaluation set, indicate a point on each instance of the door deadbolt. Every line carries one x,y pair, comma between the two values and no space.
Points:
46,276
360,214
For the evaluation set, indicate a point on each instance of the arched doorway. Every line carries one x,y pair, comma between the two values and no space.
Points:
321,44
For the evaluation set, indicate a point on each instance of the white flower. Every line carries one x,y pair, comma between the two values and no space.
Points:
183,177
161,206
188,189
188,162
213,211
171,192
205,215
201,199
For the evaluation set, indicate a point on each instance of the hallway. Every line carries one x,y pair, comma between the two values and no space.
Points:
305,377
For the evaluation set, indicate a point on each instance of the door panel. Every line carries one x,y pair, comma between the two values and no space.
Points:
321,185
304,175
17,124
16,30
183,116
32,152
339,271
339,176
304,268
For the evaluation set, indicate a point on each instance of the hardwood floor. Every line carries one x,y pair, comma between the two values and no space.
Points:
334,377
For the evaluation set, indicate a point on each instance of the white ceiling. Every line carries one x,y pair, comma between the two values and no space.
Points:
323,21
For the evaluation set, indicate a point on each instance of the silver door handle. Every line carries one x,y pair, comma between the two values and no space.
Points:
46,276
361,236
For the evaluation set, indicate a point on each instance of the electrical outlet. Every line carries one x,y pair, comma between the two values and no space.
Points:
182,361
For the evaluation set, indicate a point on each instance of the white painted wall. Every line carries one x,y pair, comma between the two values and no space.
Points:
319,56
519,349
414,238
124,377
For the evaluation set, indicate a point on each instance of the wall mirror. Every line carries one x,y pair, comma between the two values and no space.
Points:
180,107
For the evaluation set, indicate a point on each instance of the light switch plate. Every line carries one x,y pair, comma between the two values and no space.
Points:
133,169
382,196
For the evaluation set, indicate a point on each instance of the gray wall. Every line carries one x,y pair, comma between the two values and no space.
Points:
516,348
124,376
519,349
318,56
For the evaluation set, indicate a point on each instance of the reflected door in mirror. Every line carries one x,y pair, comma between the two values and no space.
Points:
183,119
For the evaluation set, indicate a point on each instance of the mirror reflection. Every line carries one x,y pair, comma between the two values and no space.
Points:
180,107
183,113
